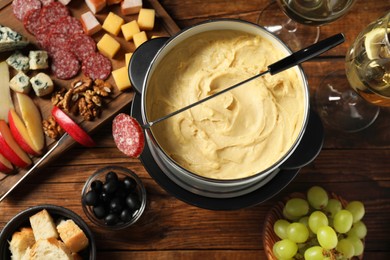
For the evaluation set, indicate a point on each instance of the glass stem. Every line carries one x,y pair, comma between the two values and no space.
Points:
291,26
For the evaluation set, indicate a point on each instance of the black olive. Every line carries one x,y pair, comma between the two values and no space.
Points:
99,211
116,205
110,186
126,215
121,192
129,183
111,219
111,176
97,185
105,197
132,202
91,198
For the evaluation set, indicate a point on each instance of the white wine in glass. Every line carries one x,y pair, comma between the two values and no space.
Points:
298,24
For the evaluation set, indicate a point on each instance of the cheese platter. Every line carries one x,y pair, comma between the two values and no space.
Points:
119,96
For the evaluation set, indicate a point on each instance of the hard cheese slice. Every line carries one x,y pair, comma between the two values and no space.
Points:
5,95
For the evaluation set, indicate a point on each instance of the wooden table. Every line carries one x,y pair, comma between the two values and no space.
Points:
355,166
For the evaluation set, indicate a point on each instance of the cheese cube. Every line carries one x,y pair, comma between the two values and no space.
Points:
108,46
113,23
121,77
131,6
139,38
127,58
146,19
95,5
18,61
20,83
90,24
42,84
129,29
38,60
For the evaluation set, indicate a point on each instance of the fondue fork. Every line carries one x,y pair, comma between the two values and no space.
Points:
295,58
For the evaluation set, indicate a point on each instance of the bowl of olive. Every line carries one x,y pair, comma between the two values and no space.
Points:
113,197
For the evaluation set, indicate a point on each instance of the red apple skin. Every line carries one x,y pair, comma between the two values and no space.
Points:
10,149
72,128
16,133
5,165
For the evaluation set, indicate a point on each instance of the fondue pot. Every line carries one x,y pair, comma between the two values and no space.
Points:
144,62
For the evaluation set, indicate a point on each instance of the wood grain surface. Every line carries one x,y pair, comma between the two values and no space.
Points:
355,166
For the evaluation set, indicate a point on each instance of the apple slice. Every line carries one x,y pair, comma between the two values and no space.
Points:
10,149
73,129
20,133
5,165
32,120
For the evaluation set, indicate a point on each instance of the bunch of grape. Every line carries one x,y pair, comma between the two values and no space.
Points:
319,227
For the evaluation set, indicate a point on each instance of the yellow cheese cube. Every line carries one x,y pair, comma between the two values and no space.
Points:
108,46
129,29
127,58
139,38
113,23
121,77
146,19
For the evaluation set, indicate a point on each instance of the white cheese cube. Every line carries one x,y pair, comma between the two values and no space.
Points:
18,61
20,83
131,6
90,24
38,60
64,2
42,84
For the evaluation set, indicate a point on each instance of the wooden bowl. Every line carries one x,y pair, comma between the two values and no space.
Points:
276,212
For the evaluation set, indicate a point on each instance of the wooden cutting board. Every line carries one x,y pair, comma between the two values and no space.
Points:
164,26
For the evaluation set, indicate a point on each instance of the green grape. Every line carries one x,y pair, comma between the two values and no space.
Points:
345,247
314,253
333,207
288,216
327,237
358,229
357,245
317,197
285,249
342,221
357,210
317,219
305,221
297,207
280,228
297,232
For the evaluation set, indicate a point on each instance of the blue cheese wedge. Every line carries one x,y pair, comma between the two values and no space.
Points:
38,60
42,84
19,62
11,40
20,83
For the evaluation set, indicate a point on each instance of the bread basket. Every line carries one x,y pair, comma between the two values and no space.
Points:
276,212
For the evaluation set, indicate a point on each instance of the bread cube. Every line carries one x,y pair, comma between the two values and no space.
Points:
50,248
43,225
20,242
72,235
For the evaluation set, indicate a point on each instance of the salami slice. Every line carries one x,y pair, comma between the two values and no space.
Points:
128,135
64,64
82,46
97,66
53,12
43,40
31,21
56,42
22,7
67,25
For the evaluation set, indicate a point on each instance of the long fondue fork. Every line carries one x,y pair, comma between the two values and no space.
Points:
279,66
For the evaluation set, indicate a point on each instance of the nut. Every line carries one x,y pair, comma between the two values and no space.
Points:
51,128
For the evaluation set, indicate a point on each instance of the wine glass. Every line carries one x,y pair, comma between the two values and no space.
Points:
298,24
367,69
